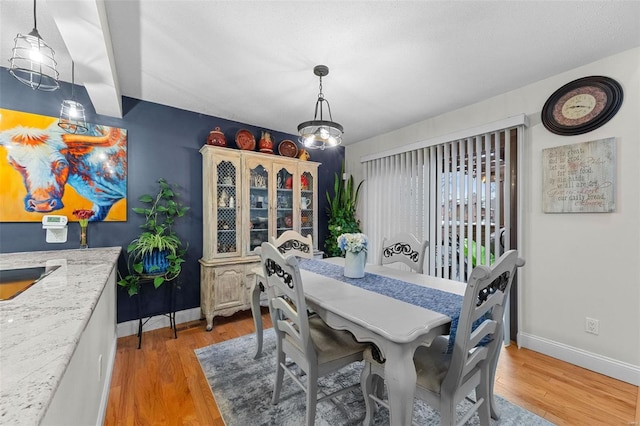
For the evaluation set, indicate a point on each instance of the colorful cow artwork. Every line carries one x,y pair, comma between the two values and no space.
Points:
50,162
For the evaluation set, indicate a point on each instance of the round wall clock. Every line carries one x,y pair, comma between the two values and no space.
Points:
582,105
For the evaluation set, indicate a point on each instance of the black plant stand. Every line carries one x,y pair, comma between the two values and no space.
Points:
166,306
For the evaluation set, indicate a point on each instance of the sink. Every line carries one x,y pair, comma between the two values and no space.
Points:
15,281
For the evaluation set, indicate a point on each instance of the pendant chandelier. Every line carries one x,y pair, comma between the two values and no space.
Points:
32,61
72,119
320,133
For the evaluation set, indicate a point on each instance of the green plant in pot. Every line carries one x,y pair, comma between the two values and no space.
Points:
157,252
342,212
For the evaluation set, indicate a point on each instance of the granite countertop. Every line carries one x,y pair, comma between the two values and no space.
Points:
40,328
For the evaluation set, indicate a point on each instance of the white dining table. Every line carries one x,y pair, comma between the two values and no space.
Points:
397,328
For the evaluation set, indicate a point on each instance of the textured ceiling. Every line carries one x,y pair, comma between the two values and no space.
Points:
392,63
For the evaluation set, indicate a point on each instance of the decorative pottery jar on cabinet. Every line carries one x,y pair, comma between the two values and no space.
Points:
248,197
217,138
266,143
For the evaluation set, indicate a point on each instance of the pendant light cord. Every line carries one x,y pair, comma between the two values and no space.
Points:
35,22
73,78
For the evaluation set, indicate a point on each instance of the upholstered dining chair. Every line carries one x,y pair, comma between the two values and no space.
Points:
293,243
406,248
445,378
309,342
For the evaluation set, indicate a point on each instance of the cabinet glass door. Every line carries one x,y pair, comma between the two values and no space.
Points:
258,206
227,208
307,207
284,199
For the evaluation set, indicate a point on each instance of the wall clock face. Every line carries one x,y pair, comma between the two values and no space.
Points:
582,105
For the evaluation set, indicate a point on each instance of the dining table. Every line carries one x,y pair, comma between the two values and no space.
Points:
389,307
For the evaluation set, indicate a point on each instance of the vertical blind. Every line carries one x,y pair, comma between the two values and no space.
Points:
455,194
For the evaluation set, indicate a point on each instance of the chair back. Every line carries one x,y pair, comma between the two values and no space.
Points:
293,243
479,330
406,248
287,304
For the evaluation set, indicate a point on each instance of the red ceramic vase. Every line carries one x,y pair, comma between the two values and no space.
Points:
266,143
216,138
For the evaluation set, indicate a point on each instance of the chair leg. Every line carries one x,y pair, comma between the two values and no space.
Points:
378,388
312,396
279,375
257,316
490,377
484,410
448,415
366,383
485,390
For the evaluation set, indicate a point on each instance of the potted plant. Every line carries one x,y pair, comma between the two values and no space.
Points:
157,251
342,212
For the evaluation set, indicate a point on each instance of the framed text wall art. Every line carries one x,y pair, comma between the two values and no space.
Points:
579,178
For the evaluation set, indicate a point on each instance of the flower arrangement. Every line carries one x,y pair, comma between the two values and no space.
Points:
354,243
83,216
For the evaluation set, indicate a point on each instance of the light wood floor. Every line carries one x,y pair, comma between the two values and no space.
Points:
162,383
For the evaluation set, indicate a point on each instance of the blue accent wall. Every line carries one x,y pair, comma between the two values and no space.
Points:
162,142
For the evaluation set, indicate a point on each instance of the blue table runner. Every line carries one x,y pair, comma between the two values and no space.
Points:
433,299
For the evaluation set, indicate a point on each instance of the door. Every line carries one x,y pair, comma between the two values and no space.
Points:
258,180
287,184
460,195
226,211
229,287
221,194
308,202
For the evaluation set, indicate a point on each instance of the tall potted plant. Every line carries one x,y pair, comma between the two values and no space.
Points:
342,211
158,251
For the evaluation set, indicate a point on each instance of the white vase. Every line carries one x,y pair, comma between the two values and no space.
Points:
354,264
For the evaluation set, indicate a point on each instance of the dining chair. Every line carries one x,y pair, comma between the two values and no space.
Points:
288,243
446,378
293,243
406,248
314,347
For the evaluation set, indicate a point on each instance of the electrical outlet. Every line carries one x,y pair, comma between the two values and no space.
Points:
592,326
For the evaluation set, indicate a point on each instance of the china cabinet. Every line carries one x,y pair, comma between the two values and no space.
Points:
248,197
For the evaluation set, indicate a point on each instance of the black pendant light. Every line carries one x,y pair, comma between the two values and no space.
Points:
320,133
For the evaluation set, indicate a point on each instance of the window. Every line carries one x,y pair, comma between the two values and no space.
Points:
459,194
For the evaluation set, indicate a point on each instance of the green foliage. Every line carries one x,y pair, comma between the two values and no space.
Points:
160,213
342,211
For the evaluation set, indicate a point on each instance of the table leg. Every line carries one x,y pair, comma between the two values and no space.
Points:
400,377
257,315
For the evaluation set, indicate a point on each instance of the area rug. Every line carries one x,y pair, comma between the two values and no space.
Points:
242,388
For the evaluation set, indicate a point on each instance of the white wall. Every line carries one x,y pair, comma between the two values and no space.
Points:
578,265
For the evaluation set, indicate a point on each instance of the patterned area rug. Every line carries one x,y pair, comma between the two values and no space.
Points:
242,387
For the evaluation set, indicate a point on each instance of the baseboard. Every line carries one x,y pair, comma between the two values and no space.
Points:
600,364
129,328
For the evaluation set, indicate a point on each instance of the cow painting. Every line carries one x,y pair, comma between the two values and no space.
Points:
93,164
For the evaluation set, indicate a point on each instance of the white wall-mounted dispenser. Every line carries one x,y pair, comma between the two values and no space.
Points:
56,226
